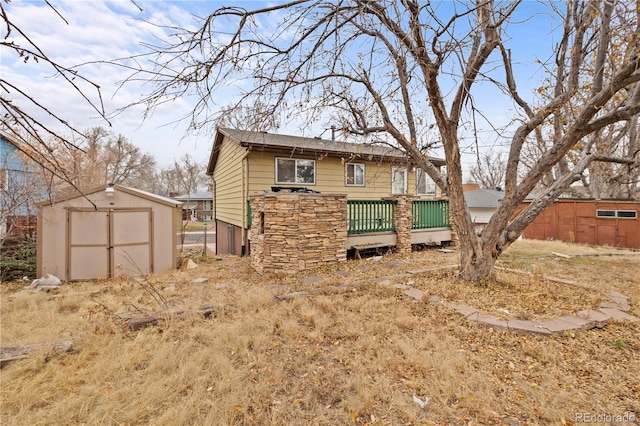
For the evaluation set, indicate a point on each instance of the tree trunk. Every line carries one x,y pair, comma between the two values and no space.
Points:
476,265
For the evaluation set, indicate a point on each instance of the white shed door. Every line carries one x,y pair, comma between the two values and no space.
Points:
109,243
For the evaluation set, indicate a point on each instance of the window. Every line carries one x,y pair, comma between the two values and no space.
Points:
207,205
291,170
627,214
424,184
354,174
398,180
606,213
621,214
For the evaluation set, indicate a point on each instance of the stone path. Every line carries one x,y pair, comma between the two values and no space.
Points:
614,310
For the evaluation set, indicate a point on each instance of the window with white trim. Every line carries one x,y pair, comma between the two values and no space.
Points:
424,184
354,174
617,214
295,170
398,180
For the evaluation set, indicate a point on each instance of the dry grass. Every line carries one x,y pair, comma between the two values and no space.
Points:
354,357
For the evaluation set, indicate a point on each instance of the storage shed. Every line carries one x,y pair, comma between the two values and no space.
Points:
109,231
613,223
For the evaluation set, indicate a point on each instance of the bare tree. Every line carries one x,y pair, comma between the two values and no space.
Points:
186,175
410,70
103,157
489,171
614,151
258,117
21,109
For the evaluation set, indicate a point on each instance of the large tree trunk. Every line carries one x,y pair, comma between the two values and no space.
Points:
476,265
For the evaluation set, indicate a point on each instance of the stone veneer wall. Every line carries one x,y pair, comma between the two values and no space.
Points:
291,232
403,222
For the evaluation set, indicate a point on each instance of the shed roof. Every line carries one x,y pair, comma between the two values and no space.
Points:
483,198
128,190
272,142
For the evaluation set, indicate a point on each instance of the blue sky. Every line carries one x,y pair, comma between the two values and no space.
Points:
104,30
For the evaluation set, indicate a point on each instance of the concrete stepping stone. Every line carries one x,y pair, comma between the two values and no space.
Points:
200,281
620,301
608,305
460,308
342,273
414,293
526,327
617,315
566,323
489,321
313,279
599,318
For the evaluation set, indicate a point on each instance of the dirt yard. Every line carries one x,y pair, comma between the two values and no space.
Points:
357,352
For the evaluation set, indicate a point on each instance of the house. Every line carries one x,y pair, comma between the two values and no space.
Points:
243,163
482,203
109,231
196,205
19,190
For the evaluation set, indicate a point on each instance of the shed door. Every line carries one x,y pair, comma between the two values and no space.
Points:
131,242
88,244
109,243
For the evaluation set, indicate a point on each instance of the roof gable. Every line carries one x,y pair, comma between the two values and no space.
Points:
271,142
132,191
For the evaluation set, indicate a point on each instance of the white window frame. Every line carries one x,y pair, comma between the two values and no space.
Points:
394,171
296,171
429,184
616,214
346,174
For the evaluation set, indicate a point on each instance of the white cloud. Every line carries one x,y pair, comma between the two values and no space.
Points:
97,31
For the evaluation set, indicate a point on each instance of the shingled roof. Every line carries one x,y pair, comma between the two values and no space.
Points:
291,145
483,198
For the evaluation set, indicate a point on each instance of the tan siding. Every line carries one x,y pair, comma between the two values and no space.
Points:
330,177
228,177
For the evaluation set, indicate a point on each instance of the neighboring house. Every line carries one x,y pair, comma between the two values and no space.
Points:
482,204
246,162
18,191
197,205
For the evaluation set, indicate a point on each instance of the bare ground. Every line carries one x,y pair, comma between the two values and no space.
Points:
334,358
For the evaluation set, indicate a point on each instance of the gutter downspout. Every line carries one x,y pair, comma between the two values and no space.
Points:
215,209
245,193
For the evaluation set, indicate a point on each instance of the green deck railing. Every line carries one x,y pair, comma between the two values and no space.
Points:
430,214
370,216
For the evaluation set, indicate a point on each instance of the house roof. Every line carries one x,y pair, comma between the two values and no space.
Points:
132,191
194,196
483,198
272,142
